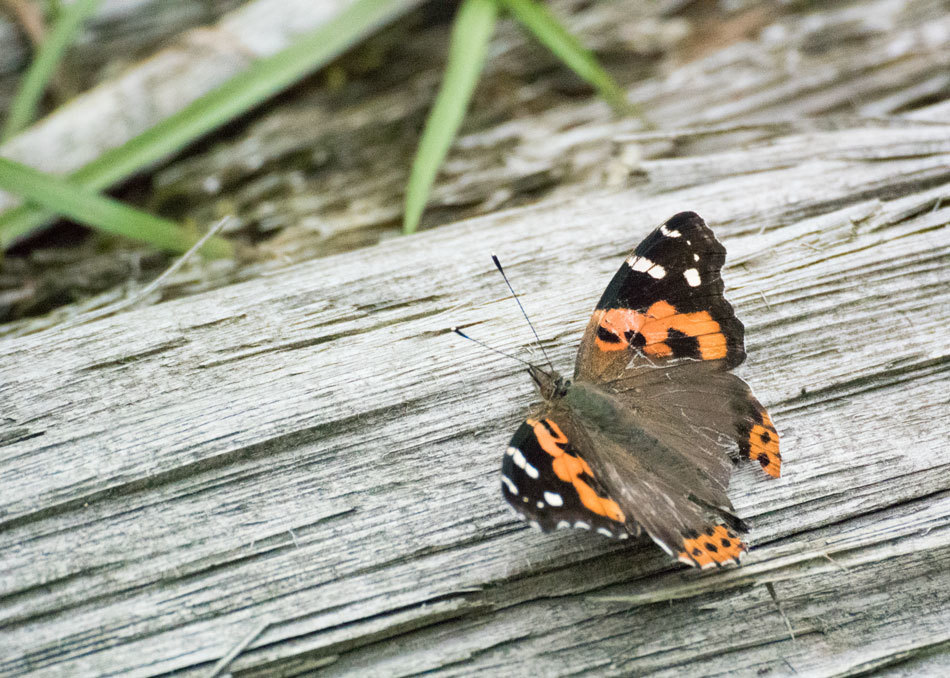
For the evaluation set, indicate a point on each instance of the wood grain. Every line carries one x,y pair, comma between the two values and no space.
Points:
309,458
315,451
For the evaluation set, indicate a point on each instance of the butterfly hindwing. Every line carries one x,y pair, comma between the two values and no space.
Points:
667,510
547,480
706,415
757,437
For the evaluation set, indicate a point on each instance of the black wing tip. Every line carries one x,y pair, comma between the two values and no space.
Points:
691,226
689,222
684,219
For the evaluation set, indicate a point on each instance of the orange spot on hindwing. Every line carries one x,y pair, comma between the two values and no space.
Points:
716,546
573,469
661,332
763,446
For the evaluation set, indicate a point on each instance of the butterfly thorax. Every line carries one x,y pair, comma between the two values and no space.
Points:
593,404
590,401
602,409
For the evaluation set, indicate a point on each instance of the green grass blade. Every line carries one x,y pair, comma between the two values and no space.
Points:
100,212
471,32
235,97
23,109
545,27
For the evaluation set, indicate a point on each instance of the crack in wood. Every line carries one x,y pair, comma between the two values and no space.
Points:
135,357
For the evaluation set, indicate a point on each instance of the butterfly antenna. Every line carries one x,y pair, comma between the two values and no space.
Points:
523,312
490,348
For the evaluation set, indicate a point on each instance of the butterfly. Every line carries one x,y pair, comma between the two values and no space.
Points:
645,436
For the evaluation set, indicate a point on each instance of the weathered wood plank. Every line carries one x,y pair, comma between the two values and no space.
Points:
324,171
335,169
314,449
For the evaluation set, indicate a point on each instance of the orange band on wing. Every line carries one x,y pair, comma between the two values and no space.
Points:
718,546
569,468
619,326
712,346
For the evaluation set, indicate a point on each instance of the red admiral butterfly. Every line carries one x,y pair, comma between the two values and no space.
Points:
644,437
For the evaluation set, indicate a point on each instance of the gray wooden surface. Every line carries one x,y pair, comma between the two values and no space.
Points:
309,459
314,451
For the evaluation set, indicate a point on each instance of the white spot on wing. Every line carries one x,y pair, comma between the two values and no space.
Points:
604,531
535,524
553,498
685,559
510,485
511,451
522,463
563,525
581,525
695,257
639,264
668,233
540,504
692,277
517,457
643,265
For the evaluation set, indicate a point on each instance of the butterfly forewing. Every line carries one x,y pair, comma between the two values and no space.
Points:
547,480
664,305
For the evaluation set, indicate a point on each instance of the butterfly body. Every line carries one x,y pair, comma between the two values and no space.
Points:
645,436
